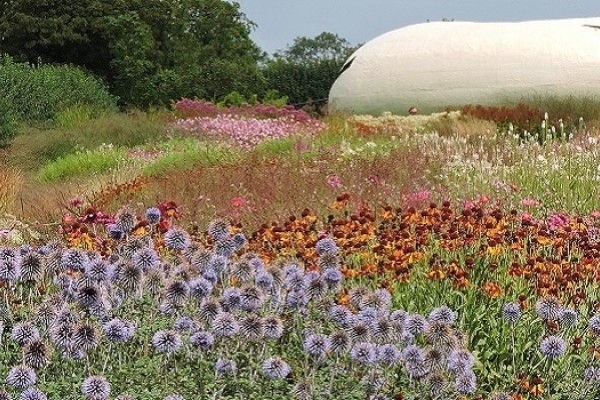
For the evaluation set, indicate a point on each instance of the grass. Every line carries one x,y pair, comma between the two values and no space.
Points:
81,164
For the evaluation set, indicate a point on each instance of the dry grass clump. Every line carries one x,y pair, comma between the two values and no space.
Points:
11,183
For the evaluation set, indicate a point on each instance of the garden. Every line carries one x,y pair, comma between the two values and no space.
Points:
253,250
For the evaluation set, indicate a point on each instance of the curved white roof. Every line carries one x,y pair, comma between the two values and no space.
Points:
439,64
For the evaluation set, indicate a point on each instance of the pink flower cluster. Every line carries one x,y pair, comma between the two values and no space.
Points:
248,132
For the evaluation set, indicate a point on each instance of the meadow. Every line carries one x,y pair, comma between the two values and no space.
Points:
260,252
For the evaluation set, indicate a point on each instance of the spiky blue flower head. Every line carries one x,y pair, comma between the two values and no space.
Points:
231,299
21,377
296,300
200,288
97,270
333,278
594,324
388,354
442,314
24,332
460,361
177,239
74,259
415,324
10,264
146,259
364,353
32,393
183,324
219,229
31,266
292,269
568,318
553,347
466,383
263,279
511,312
326,246
238,241
167,341
592,374
202,339
153,215
252,298
115,232
95,387
225,325
549,308
294,281
225,248
210,275
413,354
44,250
368,315
341,315
398,317
273,327
276,368
416,370
317,345
219,263
125,220
116,330
225,366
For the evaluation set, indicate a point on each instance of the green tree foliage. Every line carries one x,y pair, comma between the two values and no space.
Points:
306,69
149,51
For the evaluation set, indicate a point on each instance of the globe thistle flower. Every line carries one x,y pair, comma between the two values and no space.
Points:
275,368
413,354
415,324
97,270
62,335
383,330
511,312
74,259
317,346
500,396
225,366
200,260
466,383
388,354
416,370
202,339
438,384
252,298
53,262
32,393
183,324
153,215
440,336
368,315
177,292
130,277
219,229
340,342
326,246
85,337
302,391
115,232
434,359
31,267
24,332
126,220
398,317
224,248
243,271
238,241
594,324
116,330
295,282
273,327
333,278
95,388
264,280
177,239
35,354
88,296
360,331
209,309
328,261
145,259
153,282
166,341
21,377
460,361
9,271
568,318
379,299
225,325
553,347
252,327
442,314
341,315
296,300
200,288
316,288
549,308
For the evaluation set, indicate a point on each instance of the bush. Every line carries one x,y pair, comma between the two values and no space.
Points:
8,125
40,92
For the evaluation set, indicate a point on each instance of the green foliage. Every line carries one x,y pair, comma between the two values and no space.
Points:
8,124
84,163
40,92
150,52
305,71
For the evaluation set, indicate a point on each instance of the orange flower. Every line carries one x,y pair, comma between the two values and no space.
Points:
492,289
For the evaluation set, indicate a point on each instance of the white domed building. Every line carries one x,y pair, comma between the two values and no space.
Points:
439,64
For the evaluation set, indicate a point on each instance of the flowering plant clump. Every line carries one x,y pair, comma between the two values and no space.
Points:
244,126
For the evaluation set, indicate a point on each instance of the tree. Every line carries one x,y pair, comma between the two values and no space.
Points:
149,51
306,69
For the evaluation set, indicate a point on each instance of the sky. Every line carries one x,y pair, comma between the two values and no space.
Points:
358,21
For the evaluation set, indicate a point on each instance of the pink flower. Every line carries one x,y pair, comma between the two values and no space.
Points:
334,181
417,197
595,214
529,202
75,201
468,204
374,179
558,219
